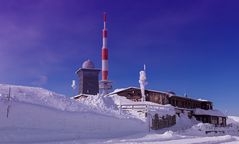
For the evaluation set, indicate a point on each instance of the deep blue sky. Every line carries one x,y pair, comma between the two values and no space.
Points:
188,46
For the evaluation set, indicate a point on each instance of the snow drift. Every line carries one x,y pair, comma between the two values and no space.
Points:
37,114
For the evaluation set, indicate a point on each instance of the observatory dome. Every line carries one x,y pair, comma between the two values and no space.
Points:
88,64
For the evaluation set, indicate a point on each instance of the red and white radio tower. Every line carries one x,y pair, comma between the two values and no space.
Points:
104,52
105,84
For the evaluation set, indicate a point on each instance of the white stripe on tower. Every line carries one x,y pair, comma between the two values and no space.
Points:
104,52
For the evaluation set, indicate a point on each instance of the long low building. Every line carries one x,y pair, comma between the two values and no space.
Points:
202,110
134,93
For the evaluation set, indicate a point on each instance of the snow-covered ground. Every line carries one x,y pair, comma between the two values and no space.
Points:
37,115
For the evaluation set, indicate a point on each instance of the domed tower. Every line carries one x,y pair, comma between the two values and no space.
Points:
89,78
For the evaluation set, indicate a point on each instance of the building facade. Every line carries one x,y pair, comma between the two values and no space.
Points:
202,110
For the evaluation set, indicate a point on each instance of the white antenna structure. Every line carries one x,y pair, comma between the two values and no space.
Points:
73,84
142,82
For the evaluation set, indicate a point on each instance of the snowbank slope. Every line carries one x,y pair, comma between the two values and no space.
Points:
40,115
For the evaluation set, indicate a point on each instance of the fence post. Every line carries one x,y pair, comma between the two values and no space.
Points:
8,99
120,107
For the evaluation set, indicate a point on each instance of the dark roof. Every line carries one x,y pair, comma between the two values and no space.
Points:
171,95
187,98
123,89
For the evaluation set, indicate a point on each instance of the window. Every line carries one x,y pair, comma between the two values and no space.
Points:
173,102
214,120
220,121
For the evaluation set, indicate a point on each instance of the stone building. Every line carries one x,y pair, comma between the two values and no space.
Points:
88,79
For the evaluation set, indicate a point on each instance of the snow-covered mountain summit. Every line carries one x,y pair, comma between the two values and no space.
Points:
37,115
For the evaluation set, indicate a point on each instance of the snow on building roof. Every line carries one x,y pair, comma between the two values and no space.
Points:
118,90
88,64
82,95
199,111
203,100
122,89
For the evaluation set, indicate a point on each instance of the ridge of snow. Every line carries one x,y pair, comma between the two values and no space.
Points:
40,96
43,97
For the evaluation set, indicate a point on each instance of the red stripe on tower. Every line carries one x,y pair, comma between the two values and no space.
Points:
104,75
104,34
104,52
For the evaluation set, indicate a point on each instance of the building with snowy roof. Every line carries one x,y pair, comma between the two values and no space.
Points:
202,110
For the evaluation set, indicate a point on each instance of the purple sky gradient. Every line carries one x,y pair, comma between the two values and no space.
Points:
188,46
